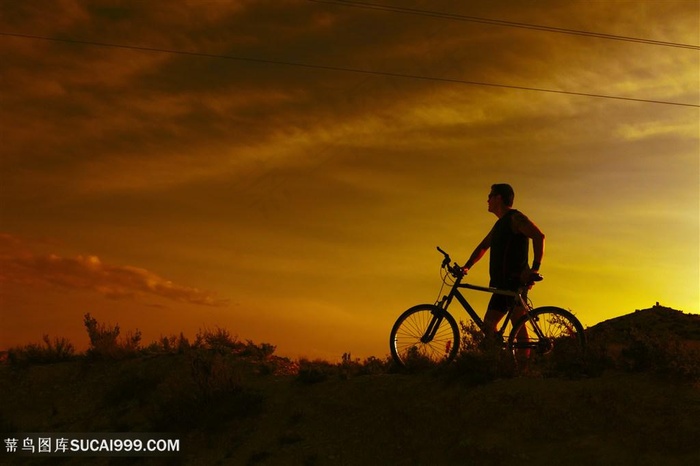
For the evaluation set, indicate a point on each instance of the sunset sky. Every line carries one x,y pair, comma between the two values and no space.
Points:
284,169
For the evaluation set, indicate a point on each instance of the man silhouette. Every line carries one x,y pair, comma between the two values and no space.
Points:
509,241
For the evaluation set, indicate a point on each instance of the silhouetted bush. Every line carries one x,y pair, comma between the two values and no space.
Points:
219,340
46,352
350,367
258,352
173,344
471,337
479,360
315,371
105,342
375,366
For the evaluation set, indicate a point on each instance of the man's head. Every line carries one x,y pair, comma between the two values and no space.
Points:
505,191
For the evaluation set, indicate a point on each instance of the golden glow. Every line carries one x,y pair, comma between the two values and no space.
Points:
302,207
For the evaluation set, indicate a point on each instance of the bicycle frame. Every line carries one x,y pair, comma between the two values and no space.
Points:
455,293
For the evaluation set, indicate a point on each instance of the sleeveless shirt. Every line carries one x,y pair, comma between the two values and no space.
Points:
509,253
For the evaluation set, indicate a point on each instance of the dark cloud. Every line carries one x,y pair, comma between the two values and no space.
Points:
101,111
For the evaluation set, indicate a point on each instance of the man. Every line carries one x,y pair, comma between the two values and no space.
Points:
509,241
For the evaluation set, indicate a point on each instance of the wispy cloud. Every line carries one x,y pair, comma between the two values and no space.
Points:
19,265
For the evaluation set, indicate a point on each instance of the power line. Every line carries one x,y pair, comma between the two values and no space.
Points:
498,22
340,69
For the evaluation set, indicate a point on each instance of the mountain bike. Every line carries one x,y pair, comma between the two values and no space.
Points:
429,333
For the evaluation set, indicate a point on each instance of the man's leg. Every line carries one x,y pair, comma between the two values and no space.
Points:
491,319
495,312
497,308
523,336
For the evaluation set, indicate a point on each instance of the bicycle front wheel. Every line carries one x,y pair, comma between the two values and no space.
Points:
423,336
549,339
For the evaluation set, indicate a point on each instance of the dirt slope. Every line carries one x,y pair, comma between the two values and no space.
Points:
250,417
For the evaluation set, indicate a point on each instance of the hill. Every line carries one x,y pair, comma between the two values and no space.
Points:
655,320
658,339
240,414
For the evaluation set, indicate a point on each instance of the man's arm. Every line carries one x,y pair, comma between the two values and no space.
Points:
523,224
478,252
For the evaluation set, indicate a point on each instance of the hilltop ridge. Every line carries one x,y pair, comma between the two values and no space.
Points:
656,319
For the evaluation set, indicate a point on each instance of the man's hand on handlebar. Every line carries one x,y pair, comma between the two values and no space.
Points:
530,277
455,270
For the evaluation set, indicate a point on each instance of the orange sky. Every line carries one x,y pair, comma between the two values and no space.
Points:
301,206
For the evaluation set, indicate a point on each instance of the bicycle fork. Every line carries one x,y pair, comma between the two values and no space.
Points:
432,329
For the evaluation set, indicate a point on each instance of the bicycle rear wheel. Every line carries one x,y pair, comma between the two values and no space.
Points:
548,340
423,336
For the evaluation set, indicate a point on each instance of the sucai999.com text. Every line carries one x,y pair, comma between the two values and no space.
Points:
84,444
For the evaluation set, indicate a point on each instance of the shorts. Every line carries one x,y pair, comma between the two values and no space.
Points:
503,303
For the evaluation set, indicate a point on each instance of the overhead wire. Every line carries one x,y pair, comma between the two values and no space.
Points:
338,68
498,22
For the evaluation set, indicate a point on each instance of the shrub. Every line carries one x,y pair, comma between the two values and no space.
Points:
49,351
170,345
479,360
482,365
315,371
105,342
471,336
416,361
319,370
375,366
219,340
260,352
370,366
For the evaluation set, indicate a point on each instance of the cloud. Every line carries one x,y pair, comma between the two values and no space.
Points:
21,266
682,129
115,120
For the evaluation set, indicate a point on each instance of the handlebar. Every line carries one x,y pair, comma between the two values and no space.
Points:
455,270
446,261
458,272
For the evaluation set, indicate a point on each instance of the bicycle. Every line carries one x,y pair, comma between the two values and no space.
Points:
429,333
